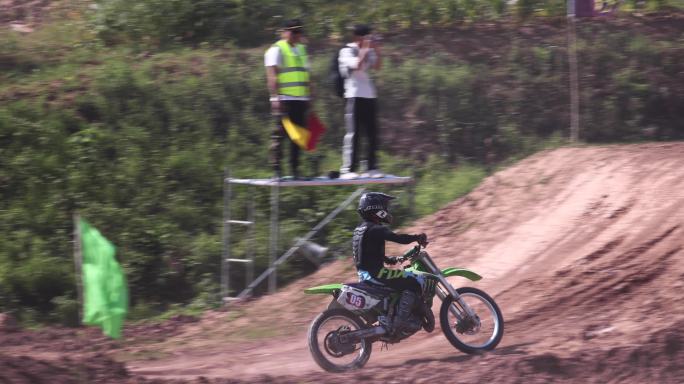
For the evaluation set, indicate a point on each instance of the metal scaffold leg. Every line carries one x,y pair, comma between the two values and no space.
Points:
225,265
273,247
251,236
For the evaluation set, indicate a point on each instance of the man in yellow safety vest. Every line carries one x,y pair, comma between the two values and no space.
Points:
287,74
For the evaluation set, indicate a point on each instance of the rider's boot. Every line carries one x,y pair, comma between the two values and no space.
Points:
385,323
428,317
407,302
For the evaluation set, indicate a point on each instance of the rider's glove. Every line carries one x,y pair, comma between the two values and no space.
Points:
391,260
422,239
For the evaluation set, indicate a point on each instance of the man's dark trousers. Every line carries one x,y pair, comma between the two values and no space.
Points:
296,110
360,114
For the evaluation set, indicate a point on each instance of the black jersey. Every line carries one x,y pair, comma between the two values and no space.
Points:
368,245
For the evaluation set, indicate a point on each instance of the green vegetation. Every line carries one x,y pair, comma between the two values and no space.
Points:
437,188
130,113
160,23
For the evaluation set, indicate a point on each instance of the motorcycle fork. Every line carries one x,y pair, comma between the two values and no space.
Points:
457,310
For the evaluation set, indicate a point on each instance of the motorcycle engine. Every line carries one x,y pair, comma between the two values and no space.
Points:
413,325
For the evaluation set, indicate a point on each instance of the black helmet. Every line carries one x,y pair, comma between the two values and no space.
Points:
374,206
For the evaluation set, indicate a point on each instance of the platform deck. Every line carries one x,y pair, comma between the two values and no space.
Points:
322,181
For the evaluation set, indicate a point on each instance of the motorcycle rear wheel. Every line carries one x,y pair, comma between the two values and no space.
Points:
460,333
319,346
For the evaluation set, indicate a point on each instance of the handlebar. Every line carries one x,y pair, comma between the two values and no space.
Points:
410,254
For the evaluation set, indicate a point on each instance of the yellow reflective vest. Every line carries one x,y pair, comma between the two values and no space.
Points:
293,76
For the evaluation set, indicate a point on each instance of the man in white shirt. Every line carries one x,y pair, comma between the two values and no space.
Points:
355,60
287,75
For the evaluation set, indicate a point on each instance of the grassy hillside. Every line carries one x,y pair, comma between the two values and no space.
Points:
130,117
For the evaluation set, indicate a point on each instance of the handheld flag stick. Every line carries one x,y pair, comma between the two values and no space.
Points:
78,262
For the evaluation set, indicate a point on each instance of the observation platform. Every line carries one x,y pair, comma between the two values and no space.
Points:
249,223
322,181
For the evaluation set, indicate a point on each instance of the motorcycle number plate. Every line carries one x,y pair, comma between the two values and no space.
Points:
356,299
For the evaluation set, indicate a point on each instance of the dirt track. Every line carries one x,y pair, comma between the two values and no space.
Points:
581,247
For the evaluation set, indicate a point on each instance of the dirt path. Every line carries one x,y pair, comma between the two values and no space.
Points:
583,249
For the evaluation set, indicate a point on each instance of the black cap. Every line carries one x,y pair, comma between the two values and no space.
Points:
294,24
362,30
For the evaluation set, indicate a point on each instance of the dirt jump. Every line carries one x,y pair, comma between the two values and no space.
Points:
581,247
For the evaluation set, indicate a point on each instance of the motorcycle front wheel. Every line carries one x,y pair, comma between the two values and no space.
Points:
329,352
476,334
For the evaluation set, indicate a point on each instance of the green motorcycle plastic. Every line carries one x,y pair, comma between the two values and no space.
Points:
341,337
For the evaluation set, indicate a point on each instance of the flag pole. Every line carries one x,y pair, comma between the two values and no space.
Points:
78,262
572,69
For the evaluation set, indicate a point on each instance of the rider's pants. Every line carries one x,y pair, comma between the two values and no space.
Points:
396,279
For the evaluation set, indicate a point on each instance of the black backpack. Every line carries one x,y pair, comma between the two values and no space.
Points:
335,76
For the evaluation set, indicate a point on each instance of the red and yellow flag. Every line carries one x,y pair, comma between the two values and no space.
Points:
305,138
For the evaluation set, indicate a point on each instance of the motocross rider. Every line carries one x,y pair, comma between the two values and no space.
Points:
368,249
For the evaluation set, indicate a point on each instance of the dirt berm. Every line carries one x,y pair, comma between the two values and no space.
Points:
582,248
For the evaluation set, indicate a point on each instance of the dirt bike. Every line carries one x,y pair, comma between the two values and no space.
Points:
341,337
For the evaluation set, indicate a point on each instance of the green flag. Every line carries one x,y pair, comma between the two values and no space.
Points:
104,285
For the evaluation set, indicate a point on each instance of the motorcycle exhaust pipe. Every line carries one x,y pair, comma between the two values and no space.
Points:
356,336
